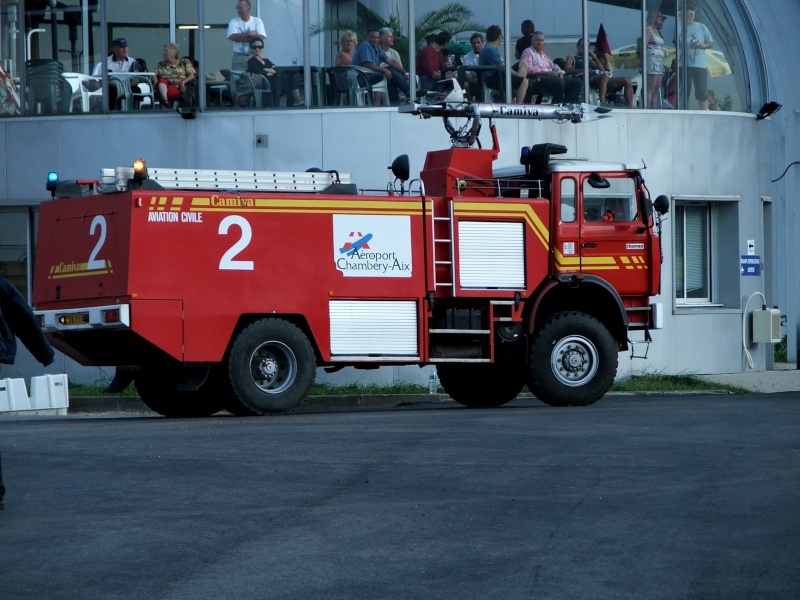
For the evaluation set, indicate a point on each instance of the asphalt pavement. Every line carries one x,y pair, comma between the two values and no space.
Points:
680,496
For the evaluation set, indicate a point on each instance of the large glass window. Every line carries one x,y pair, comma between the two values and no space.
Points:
707,61
619,32
62,42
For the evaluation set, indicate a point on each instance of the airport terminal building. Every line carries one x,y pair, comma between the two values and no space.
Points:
731,174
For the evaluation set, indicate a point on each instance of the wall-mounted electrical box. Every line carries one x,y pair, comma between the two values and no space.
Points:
767,326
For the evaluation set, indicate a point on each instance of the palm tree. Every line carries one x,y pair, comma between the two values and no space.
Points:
453,17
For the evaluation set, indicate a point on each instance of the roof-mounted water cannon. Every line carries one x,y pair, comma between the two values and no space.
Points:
449,100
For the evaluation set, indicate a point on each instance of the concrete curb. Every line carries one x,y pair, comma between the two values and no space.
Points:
133,404
93,404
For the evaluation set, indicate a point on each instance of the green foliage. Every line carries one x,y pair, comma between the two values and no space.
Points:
780,354
726,103
81,390
358,389
646,381
453,17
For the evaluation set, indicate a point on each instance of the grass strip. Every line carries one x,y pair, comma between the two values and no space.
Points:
641,382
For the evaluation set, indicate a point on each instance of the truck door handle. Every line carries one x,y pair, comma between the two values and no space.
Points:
589,245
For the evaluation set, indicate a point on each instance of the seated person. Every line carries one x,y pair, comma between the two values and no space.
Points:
598,78
117,61
173,75
369,55
347,43
263,66
547,77
472,58
490,55
431,63
616,84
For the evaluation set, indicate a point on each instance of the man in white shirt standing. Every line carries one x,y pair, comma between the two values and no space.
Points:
242,30
694,39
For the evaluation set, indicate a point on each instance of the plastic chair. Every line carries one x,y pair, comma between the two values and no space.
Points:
349,86
80,93
48,94
43,66
340,92
243,92
381,87
264,96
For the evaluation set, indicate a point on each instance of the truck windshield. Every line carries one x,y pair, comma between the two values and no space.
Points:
616,203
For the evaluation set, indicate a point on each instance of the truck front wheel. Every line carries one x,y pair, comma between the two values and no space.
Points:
481,385
573,360
272,366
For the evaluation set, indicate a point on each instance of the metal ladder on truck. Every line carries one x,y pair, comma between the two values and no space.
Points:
301,182
442,232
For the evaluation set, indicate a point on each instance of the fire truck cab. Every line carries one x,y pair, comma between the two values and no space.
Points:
226,290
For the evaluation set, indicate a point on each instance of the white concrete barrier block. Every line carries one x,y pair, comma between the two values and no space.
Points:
13,395
49,391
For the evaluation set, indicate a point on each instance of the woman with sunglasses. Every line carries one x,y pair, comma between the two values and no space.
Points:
264,66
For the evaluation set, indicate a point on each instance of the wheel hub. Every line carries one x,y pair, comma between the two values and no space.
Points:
273,367
574,360
268,367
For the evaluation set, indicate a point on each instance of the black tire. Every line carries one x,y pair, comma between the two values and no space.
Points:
220,385
573,360
156,388
481,385
271,367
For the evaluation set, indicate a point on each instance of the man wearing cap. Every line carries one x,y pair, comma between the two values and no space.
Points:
117,62
242,30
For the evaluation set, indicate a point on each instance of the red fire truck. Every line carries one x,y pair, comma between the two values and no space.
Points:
226,290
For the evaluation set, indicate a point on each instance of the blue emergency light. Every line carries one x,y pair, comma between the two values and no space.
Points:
52,182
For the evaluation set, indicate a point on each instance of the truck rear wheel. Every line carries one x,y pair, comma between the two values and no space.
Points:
481,385
573,360
156,388
272,366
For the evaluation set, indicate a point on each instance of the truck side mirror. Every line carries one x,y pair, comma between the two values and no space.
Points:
661,204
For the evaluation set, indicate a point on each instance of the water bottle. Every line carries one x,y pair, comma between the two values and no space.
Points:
433,386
